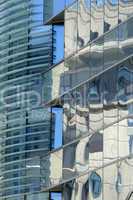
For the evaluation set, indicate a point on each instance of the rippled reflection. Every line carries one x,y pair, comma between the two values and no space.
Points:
98,114
105,52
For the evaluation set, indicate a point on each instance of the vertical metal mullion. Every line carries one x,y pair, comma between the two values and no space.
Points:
50,136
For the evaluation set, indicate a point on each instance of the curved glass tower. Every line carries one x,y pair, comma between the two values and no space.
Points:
94,88
25,52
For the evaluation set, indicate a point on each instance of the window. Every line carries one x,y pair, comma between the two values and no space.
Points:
55,196
94,96
57,123
58,50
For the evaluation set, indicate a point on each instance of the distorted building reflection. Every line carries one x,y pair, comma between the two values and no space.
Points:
93,85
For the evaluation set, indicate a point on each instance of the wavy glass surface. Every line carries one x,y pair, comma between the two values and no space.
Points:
97,126
109,182
101,54
89,52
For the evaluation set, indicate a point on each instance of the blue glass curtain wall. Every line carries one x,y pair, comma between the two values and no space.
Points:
26,52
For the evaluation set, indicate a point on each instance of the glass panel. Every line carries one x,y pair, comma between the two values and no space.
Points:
71,29
96,57
83,23
51,169
52,8
76,161
58,44
111,143
57,122
39,196
56,196
72,74
69,2
110,14
33,167
109,95
78,66
125,91
95,105
110,115
111,53
126,35
69,117
97,24
82,111
125,9
125,141
53,82
58,6
124,88
69,160
95,123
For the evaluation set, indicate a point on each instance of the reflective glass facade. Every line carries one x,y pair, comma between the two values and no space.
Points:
97,124
93,86
108,48
66,100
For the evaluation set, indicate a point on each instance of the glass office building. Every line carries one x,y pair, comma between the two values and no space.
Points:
93,86
25,52
66,99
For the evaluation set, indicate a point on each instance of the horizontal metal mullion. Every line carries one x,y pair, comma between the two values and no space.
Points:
19,177
27,28
24,68
14,80
20,31
24,53
23,135
10,5
22,152
16,161
21,127
46,140
28,51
